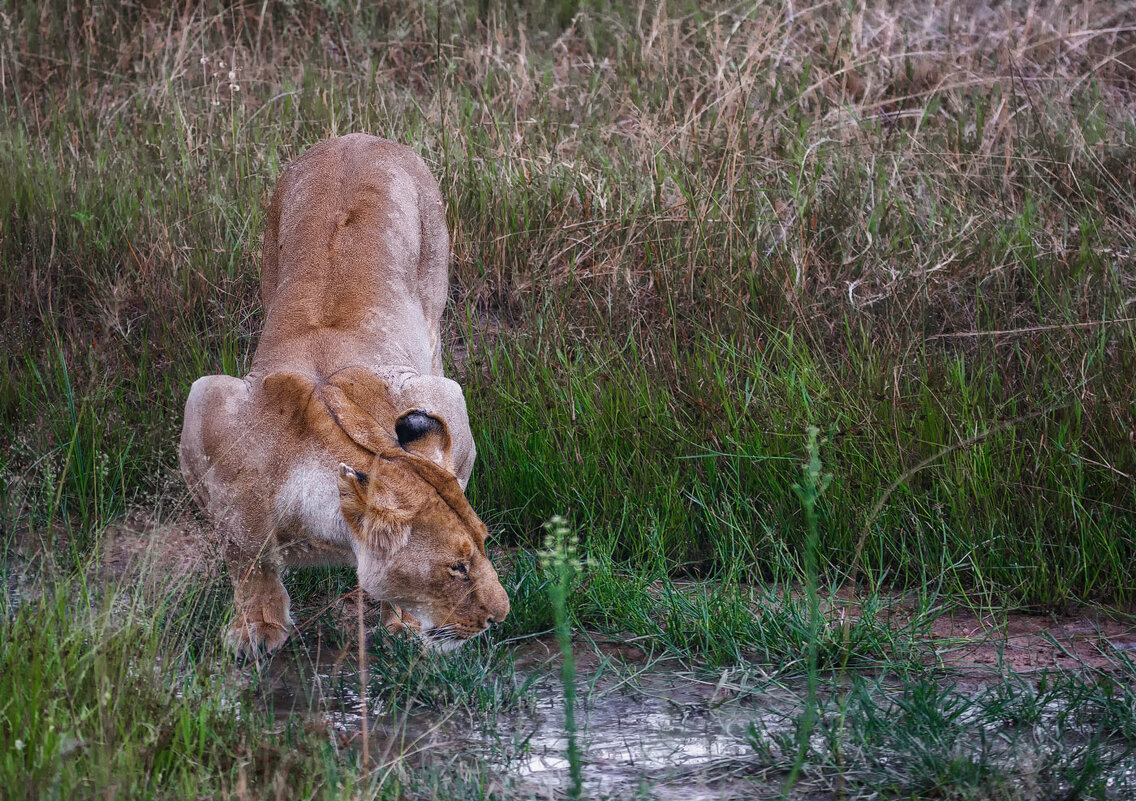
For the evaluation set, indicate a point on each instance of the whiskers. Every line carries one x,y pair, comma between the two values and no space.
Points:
443,633
447,637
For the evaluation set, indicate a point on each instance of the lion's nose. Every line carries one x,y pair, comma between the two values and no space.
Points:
498,607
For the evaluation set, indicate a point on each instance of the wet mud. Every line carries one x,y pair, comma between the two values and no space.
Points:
643,728
646,727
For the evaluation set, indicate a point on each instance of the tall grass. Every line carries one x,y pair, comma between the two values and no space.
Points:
812,485
560,560
682,233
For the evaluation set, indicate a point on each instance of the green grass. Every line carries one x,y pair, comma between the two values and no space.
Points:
482,679
113,690
682,236
98,699
658,285
1056,737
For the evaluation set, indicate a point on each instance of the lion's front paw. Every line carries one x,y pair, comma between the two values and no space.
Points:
261,624
247,637
397,621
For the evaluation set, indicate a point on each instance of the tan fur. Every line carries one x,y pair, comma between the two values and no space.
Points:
299,463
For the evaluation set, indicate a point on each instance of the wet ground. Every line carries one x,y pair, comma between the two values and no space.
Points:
644,729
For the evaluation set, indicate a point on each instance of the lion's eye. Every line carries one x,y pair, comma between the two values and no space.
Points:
460,569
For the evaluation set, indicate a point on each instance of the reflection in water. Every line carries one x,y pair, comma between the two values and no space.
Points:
662,735
657,733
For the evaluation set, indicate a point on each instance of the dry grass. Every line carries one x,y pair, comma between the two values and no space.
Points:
679,232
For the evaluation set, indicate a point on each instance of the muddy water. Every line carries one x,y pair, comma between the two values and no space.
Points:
656,729
642,730
664,734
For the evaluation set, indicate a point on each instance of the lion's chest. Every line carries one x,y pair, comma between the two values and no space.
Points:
310,527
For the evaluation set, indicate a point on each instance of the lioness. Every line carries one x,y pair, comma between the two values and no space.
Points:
345,444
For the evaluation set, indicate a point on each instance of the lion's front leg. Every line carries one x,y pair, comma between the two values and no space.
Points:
397,621
263,616
222,457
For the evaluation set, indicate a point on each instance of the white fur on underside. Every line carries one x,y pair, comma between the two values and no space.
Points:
310,497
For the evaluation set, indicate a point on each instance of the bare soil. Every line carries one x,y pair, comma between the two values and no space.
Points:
158,550
1027,642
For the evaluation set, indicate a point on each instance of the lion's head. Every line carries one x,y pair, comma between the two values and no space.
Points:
418,543
422,547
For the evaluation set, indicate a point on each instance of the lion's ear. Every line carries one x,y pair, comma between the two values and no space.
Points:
373,512
352,495
426,435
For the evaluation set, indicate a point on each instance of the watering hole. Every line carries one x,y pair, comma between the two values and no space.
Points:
658,728
642,727
661,728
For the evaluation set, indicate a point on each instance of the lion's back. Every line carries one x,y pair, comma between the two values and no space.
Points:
357,243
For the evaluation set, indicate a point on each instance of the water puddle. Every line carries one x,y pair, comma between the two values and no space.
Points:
662,733
663,730
642,731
